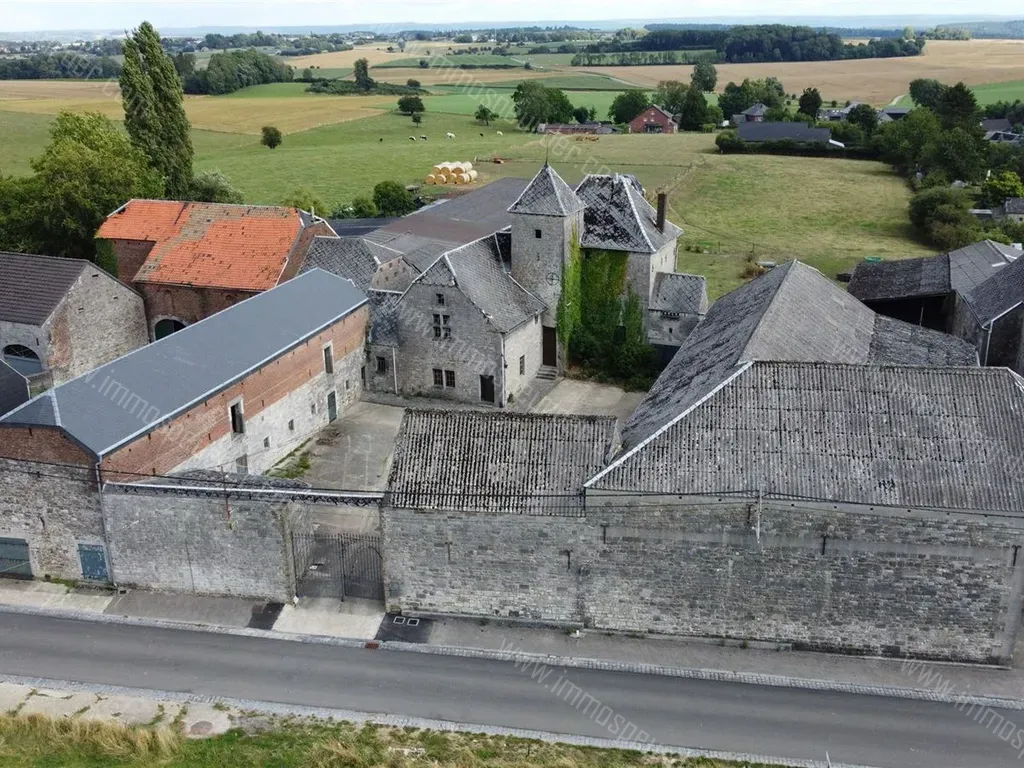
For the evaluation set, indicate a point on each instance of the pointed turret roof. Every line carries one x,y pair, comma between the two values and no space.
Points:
547,195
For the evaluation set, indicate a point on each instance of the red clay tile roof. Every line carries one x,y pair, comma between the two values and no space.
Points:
240,247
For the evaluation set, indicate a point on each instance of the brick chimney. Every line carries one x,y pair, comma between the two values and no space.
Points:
662,208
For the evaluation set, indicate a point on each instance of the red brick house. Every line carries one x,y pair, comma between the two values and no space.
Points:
191,260
653,120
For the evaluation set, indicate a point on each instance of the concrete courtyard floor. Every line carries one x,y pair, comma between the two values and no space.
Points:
354,453
587,398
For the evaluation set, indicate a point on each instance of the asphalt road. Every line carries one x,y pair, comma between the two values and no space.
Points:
862,730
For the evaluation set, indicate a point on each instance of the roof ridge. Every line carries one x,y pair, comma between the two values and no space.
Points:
627,186
83,262
788,267
508,415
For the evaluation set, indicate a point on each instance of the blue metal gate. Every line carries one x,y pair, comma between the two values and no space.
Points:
14,559
94,562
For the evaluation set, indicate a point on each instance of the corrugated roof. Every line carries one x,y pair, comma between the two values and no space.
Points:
32,287
938,438
1014,205
478,270
791,313
136,393
239,247
680,293
618,217
547,195
503,462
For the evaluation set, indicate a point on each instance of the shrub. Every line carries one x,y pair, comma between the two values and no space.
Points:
392,199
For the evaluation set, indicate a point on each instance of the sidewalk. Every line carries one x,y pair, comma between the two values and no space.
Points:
362,620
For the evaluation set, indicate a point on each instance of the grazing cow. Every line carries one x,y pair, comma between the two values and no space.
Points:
412,138
381,139
423,137
481,135
450,136
500,133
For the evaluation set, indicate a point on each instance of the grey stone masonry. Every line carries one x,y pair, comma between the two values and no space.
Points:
537,261
227,544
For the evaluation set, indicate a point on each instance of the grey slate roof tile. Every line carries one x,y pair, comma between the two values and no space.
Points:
972,265
1014,205
384,307
533,464
680,293
755,132
998,294
136,393
618,217
895,341
479,272
353,258
31,287
938,438
927,276
547,195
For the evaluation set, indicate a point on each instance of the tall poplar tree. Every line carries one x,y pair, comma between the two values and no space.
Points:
155,111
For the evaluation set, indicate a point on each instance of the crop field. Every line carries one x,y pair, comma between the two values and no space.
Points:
448,76
876,81
464,60
375,54
464,81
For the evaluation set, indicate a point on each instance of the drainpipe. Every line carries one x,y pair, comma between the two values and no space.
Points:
103,525
988,341
504,375
394,369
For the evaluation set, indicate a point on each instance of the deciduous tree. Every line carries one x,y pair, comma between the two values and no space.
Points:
810,102
669,95
704,77
392,199
694,113
628,105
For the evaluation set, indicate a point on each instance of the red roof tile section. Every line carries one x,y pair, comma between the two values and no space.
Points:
239,247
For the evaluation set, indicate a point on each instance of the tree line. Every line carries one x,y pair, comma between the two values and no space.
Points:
231,71
58,66
763,43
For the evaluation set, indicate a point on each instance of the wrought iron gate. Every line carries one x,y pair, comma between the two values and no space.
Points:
338,565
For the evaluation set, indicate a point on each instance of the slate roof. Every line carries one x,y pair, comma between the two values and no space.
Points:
876,281
240,247
487,206
358,227
999,294
384,317
353,258
933,438
419,250
533,464
755,132
477,269
680,293
791,313
757,110
618,217
547,195
1014,205
961,271
134,394
998,124
32,287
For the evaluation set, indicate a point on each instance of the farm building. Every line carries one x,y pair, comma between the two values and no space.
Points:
756,132
190,260
974,293
653,120
60,318
807,519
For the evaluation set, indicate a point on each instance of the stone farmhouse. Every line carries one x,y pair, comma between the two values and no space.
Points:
60,318
191,260
234,392
464,295
975,293
806,471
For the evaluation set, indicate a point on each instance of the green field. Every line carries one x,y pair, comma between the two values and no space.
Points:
501,102
571,82
986,94
466,59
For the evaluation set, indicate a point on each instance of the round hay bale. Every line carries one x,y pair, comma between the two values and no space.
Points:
473,175
436,169
464,178
467,166
430,179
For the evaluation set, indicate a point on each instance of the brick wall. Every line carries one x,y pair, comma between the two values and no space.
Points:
185,543
131,254
99,321
189,304
297,255
173,445
850,580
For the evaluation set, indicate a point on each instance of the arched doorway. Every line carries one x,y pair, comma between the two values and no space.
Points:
22,359
166,327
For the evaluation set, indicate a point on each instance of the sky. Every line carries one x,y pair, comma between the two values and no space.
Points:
30,15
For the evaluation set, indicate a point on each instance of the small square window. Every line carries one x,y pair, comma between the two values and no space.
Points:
266,442
382,365
449,379
537,233
522,365
242,465
328,359
348,385
440,299
291,425
438,377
